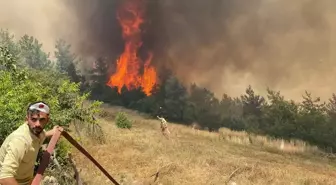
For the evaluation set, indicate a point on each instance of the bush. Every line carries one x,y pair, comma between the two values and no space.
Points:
122,121
22,84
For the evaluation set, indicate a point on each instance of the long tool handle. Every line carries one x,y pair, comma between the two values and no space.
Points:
83,151
46,158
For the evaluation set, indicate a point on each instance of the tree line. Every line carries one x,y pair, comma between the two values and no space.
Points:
66,87
310,119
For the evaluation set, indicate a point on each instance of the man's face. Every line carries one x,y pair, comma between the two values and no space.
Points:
37,121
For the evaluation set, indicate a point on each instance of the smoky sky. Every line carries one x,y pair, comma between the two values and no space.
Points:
224,45
227,45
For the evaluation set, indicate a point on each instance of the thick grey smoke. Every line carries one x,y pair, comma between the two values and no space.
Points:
224,45
45,20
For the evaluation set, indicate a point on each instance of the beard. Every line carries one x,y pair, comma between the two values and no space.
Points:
36,130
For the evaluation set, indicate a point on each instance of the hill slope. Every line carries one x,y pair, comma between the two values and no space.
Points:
196,157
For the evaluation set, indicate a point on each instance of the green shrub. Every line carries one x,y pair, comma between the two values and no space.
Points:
22,81
122,120
19,87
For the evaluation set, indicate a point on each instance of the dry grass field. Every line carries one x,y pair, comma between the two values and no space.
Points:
142,155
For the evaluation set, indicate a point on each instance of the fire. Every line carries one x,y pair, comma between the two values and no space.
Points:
131,16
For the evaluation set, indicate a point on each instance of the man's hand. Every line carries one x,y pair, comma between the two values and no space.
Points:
56,128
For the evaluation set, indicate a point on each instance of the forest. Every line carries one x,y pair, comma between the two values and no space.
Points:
310,119
28,74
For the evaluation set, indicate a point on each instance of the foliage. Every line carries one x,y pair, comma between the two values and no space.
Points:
32,55
205,107
27,75
7,41
66,89
175,99
66,61
279,116
122,120
62,150
310,120
61,95
16,93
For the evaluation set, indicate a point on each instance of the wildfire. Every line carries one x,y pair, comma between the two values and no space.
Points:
130,16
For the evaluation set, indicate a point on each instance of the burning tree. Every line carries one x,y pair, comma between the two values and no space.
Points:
128,71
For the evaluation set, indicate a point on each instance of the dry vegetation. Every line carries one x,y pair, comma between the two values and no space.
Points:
143,155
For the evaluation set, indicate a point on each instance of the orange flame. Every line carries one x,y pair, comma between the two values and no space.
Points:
130,16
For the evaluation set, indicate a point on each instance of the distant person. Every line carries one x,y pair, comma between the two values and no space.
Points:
164,126
19,151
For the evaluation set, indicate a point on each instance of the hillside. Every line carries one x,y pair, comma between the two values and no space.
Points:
198,157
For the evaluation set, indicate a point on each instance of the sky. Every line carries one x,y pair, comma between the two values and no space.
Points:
223,45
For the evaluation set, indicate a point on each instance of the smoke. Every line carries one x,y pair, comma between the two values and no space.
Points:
227,45
45,20
89,26
224,45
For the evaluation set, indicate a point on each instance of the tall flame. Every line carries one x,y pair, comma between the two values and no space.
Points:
130,16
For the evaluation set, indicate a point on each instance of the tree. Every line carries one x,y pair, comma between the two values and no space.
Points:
66,61
331,108
175,100
32,55
252,102
231,113
17,91
7,41
279,116
96,81
312,119
252,110
205,107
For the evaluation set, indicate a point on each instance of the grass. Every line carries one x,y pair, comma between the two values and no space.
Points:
193,157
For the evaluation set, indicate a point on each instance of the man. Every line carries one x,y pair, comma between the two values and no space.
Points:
164,126
19,151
